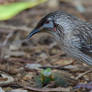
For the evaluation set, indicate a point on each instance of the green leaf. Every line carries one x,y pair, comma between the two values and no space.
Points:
47,72
10,10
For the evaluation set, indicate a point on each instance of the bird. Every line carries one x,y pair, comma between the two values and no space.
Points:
73,35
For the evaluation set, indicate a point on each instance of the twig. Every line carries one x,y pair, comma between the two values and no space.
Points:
70,68
24,28
55,67
82,74
7,38
48,89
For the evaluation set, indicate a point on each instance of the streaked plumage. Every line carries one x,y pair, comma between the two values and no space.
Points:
73,35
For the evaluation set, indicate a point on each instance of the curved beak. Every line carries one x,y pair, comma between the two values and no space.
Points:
32,33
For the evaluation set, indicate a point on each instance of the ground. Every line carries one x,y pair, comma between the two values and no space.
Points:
20,62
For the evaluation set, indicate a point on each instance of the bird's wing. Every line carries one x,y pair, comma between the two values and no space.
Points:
83,41
82,38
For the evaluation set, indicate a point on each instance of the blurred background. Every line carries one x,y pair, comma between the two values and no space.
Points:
22,59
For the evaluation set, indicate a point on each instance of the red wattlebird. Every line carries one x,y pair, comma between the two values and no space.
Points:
73,35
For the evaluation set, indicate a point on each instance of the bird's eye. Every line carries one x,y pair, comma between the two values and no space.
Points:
47,22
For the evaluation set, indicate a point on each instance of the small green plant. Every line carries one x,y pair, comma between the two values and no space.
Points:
46,76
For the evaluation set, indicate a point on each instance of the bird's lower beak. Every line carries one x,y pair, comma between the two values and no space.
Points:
32,33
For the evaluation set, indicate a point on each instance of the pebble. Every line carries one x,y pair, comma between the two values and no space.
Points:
33,66
18,90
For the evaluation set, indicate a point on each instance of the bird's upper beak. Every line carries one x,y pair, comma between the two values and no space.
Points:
32,33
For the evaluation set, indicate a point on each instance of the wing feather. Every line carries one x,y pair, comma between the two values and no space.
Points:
82,40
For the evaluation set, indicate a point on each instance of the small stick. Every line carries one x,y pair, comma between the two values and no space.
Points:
82,74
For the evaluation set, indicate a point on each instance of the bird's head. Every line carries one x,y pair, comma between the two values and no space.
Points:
47,24
52,23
